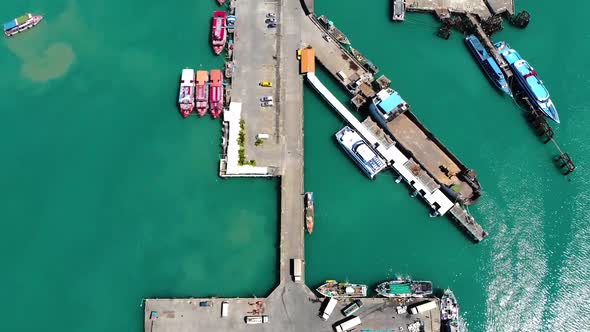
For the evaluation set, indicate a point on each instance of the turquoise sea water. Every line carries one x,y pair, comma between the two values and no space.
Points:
109,197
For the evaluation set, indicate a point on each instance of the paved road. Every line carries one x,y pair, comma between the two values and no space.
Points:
291,107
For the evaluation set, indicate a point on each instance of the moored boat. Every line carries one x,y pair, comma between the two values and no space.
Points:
399,10
488,64
186,95
404,288
21,23
216,93
449,313
221,2
529,81
332,288
218,31
309,212
361,152
202,92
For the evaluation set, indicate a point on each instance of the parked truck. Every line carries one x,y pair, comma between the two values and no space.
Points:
423,307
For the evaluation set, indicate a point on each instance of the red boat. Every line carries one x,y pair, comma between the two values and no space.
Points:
202,92
218,31
216,93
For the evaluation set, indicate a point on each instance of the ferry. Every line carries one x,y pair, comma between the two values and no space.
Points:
404,288
218,31
186,95
333,288
529,81
488,64
21,23
202,92
362,153
216,93
449,311
309,212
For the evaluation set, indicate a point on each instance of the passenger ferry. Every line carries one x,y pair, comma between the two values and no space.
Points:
186,94
21,23
488,64
529,81
362,153
218,31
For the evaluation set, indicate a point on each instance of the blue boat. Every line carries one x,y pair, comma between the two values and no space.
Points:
488,64
529,81
361,152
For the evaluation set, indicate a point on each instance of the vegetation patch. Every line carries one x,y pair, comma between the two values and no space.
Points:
242,151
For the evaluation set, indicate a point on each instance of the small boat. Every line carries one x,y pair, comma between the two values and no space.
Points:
21,23
364,61
309,212
529,81
231,23
221,2
229,69
488,64
399,10
332,288
186,95
218,31
404,288
202,93
449,312
335,32
216,93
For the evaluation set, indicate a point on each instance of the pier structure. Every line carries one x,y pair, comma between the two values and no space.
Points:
407,168
535,117
337,59
444,8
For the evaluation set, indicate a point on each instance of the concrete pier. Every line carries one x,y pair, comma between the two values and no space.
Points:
186,315
481,8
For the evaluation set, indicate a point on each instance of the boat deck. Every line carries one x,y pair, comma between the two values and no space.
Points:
432,157
184,315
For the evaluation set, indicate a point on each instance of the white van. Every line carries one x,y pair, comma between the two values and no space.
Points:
349,324
224,308
330,303
341,75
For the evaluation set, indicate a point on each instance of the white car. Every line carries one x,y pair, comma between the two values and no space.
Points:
266,103
266,98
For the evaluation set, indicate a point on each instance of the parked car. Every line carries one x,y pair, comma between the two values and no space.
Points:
270,20
271,15
272,25
266,103
299,54
266,84
266,98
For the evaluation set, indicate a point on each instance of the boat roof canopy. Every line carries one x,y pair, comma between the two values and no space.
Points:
307,60
400,288
10,25
391,103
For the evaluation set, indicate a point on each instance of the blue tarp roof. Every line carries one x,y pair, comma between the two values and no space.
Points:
389,104
9,25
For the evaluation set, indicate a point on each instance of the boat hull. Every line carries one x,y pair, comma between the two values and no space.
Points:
219,31
32,22
528,80
404,288
335,289
487,63
309,212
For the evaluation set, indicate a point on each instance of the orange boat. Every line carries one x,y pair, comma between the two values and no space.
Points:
309,212
202,92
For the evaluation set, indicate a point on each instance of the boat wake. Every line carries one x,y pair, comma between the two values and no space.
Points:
516,293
